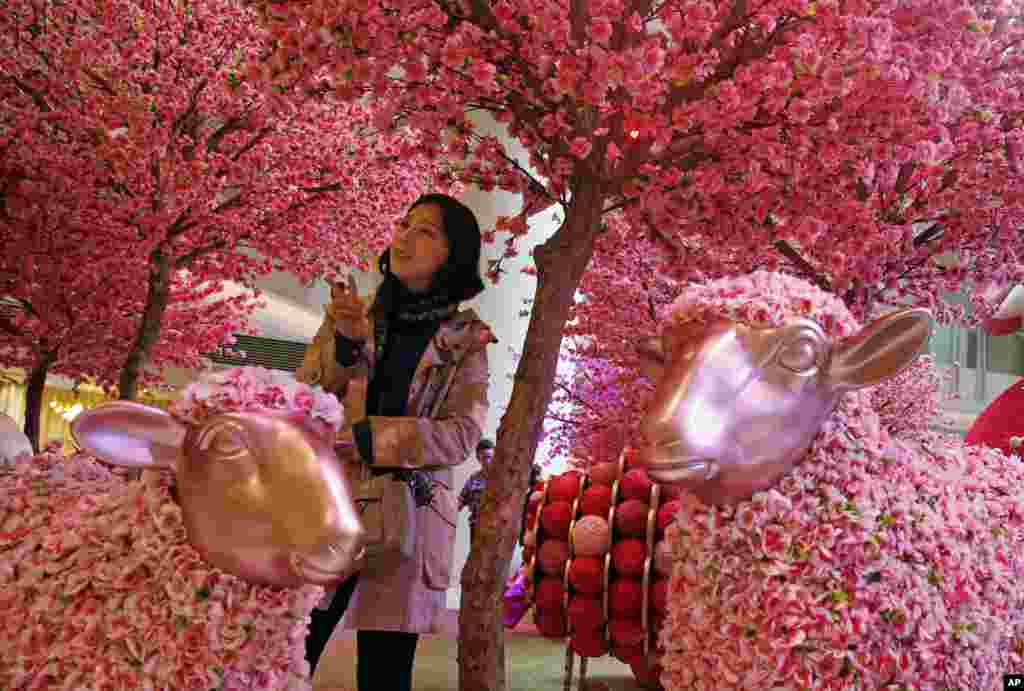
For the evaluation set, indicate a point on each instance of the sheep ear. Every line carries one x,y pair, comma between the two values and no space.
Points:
881,350
130,434
652,358
1012,305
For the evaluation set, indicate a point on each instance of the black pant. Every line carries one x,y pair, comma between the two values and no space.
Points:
384,660
324,621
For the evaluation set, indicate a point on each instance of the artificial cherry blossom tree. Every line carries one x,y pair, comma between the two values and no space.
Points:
150,168
72,297
857,140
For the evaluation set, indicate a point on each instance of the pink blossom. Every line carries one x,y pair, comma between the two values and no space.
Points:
256,388
601,31
482,72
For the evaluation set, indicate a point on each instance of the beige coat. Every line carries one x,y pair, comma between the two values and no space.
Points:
447,411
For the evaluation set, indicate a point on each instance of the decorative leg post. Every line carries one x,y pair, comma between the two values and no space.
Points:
569,659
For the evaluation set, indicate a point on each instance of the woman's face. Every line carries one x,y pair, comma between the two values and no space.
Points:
419,247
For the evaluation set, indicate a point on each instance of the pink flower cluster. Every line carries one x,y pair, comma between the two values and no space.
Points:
765,299
100,589
875,564
54,467
909,404
255,388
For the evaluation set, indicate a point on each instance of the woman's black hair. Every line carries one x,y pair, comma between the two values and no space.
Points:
460,275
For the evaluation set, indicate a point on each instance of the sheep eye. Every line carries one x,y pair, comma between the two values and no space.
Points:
800,355
223,440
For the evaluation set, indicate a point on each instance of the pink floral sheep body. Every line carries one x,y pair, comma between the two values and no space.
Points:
101,584
854,560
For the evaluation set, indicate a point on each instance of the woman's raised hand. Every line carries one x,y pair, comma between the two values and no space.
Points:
349,311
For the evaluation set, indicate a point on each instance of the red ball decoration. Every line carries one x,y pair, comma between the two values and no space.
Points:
631,518
555,519
589,643
535,500
590,536
551,624
549,594
596,501
564,487
586,574
659,595
667,514
586,613
670,493
551,557
527,554
1002,327
636,485
1000,421
647,676
629,654
626,632
605,474
628,557
626,597
631,457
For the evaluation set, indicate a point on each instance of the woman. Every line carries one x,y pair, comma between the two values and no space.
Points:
424,410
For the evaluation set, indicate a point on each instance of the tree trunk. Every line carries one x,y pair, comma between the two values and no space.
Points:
34,387
149,328
560,262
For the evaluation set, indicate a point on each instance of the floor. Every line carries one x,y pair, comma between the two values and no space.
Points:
534,663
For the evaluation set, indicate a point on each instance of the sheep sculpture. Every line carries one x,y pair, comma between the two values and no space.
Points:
811,549
788,519
13,442
199,578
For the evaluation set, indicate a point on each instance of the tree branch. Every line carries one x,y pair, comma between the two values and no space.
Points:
36,97
252,142
8,326
186,259
787,251
578,399
99,81
564,421
213,141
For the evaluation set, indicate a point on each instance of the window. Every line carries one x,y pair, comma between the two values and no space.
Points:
988,365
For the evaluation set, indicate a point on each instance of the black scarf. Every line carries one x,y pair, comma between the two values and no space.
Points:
395,303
